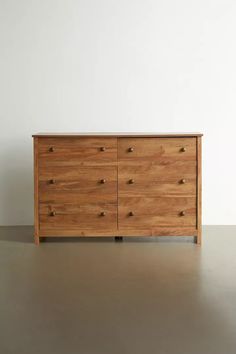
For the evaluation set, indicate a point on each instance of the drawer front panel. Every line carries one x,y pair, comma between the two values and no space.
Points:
156,212
75,216
176,178
77,151
162,150
81,184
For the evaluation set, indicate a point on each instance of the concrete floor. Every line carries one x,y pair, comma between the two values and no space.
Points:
139,296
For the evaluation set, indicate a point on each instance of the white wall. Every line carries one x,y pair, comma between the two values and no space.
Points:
117,65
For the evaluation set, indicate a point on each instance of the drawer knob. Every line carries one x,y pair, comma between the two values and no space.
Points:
103,148
103,213
130,149
51,149
183,181
182,213
131,181
183,149
103,181
52,181
131,213
52,213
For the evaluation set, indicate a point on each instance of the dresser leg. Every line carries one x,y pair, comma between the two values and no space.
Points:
118,238
36,240
199,237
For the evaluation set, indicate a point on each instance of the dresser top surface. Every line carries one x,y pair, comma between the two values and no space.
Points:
114,134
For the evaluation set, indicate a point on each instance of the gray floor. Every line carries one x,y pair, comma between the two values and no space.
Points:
141,296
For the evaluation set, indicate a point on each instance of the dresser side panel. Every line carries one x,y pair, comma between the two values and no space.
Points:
36,192
199,189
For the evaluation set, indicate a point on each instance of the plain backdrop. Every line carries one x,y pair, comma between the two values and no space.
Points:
124,65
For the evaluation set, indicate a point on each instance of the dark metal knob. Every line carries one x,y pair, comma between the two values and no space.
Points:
103,213
52,213
103,181
131,181
183,181
130,149
183,149
131,213
103,148
52,181
51,149
182,213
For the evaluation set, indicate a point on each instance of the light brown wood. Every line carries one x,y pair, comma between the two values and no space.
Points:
121,134
157,179
78,151
157,211
157,231
83,184
36,193
77,216
199,190
109,185
161,150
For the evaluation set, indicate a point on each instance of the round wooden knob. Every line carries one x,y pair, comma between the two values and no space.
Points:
52,213
131,149
183,181
131,213
103,181
51,149
131,181
183,149
103,213
182,213
52,181
103,148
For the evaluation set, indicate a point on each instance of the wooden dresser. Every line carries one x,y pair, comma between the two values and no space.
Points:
117,185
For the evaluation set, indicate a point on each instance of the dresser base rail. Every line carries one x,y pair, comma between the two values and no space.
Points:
119,234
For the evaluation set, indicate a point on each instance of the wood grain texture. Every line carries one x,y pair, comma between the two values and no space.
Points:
157,231
36,194
156,212
77,152
76,216
82,189
176,178
83,184
163,150
199,190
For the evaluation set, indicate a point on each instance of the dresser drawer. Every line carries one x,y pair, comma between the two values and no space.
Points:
156,212
76,216
80,184
176,178
77,151
154,150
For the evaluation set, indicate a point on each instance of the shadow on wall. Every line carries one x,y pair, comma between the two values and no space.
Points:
16,202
